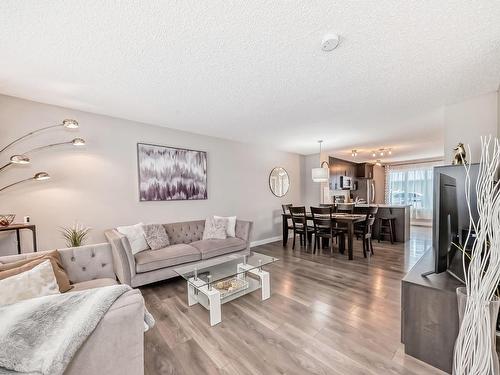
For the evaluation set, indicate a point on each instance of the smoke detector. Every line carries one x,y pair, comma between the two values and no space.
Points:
330,42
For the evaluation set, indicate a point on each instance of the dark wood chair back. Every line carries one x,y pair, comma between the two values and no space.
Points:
367,230
286,208
322,217
345,208
370,212
299,219
332,205
362,210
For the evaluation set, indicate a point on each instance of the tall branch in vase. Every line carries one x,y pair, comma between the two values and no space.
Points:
475,347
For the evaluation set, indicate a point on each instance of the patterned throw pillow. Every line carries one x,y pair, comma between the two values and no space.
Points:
231,225
37,282
215,229
156,236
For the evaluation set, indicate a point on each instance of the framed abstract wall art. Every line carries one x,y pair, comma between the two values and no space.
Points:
170,173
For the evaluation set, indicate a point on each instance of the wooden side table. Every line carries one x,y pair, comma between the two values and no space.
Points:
17,228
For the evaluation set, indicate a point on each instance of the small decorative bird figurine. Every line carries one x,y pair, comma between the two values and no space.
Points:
459,157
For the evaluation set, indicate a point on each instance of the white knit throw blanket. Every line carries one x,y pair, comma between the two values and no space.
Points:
41,335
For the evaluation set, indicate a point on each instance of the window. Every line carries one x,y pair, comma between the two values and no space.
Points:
412,185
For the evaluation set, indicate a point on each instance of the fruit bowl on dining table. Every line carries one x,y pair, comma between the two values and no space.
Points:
6,219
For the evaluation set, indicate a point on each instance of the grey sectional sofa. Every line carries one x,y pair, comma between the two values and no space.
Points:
186,246
117,344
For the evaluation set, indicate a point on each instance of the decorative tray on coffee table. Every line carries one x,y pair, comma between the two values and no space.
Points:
230,286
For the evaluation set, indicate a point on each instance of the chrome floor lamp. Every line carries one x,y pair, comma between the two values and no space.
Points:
24,157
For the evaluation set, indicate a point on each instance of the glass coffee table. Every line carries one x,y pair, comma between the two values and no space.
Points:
213,282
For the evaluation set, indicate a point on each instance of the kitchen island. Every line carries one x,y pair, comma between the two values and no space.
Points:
401,213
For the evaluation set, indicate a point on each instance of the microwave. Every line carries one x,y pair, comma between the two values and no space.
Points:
345,182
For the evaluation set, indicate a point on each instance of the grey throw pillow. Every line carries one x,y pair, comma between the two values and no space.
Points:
156,236
215,229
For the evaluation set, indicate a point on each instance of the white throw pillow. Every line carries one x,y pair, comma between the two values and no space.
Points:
37,282
135,236
231,225
215,229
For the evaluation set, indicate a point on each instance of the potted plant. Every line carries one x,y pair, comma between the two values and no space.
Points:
75,236
478,303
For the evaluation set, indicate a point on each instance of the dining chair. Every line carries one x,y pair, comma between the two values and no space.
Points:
300,227
286,210
364,229
324,227
369,211
367,237
345,208
342,208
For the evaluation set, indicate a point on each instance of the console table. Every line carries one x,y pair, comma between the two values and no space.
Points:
429,314
17,228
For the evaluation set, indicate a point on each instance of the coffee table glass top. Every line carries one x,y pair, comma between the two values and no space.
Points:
213,270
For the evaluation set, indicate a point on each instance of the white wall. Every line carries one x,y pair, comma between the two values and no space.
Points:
310,190
98,185
467,121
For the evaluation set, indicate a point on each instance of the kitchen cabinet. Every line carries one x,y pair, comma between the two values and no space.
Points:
364,170
339,167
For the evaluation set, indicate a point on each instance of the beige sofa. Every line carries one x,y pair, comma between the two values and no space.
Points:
117,344
186,246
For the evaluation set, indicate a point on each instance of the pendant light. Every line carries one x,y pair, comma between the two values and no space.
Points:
321,174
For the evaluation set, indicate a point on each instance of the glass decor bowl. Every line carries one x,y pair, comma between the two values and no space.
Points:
6,220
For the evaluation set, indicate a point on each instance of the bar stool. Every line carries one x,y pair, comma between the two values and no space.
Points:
387,226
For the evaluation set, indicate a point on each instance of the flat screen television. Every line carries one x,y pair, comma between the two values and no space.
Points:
445,227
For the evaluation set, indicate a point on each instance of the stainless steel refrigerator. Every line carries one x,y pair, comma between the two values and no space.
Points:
365,190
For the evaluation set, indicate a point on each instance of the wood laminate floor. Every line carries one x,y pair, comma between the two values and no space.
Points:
326,315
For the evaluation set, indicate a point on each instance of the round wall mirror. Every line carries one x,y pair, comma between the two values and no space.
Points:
279,182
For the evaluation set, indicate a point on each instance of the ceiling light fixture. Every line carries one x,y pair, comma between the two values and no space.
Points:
354,153
321,174
330,42
374,154
378,162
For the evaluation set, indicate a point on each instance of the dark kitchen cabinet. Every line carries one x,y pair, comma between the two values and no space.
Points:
364,170
339,167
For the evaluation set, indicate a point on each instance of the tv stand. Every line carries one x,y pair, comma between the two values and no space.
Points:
429,314
428,273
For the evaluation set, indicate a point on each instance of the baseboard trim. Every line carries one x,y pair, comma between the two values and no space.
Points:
265,241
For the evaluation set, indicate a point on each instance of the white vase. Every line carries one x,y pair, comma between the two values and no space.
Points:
475,333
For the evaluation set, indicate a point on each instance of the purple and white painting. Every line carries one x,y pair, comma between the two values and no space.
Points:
168,173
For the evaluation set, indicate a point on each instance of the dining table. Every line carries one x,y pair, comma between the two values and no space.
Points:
341,218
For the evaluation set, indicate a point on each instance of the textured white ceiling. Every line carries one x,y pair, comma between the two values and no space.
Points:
254,70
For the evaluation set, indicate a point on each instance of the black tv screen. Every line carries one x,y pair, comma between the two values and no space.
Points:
445,222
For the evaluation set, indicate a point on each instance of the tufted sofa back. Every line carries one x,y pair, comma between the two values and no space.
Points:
185,232
83,263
